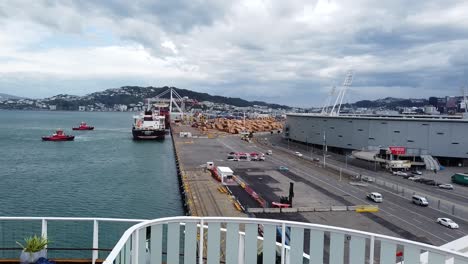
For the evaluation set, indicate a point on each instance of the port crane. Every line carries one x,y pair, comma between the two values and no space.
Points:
175,102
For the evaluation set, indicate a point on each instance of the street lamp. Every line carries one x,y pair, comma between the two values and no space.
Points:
346,159
324,148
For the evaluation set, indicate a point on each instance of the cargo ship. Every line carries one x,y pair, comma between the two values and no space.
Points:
149,125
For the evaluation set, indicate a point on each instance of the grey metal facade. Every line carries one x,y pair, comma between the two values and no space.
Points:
436,137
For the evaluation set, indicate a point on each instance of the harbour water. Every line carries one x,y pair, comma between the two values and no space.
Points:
102,173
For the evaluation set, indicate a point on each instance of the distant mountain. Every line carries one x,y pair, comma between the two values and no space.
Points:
130,96
135,94
389,103
8,96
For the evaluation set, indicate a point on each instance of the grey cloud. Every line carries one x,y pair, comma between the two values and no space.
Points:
270,53
176,16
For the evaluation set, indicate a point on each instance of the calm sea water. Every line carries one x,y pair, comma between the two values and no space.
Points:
103,173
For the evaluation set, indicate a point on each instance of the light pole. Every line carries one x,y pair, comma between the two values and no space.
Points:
324,148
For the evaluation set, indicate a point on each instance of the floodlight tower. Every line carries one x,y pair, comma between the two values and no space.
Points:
335,111
328,102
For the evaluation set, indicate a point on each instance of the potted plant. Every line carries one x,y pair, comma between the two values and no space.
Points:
33,249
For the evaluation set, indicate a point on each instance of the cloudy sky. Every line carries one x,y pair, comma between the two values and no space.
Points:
288,52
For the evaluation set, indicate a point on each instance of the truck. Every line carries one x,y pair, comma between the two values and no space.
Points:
460,178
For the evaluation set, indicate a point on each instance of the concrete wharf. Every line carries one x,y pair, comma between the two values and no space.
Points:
203,195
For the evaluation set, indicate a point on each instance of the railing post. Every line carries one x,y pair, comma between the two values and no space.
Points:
371,250
95,241
44,228
287,255
134,248
283,241
200,246
241,253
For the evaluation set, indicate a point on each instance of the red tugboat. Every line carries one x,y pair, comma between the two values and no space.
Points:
83,126
58,136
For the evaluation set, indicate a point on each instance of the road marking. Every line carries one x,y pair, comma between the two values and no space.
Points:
391,208
398,195
454,237
332,186
381,177
383,211
416,220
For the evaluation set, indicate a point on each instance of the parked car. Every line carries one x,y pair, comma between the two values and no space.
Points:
430,182
416,172
243,157
231,158
447,222
269,152
375,196
400,173
419,200
425,181
415,178
261,157
446,186
283,168
316,159
367,179
298,154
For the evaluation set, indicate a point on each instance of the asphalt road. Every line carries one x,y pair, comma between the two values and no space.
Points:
396,213
459,195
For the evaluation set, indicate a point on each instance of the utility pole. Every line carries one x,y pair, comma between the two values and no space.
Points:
244,120
324,148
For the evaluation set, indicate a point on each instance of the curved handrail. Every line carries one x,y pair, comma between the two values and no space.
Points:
71,219
242,220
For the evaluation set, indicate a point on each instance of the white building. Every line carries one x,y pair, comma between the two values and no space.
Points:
431,110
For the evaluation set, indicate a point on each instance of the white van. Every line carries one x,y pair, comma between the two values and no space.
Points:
269,152
420,200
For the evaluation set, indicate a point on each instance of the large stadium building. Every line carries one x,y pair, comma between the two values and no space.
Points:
444,137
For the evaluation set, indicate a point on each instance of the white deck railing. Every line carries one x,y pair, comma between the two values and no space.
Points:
44,222
191,240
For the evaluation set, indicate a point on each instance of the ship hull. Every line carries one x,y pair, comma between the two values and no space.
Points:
148,134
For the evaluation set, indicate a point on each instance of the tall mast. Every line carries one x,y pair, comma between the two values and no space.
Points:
327,103
339,99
